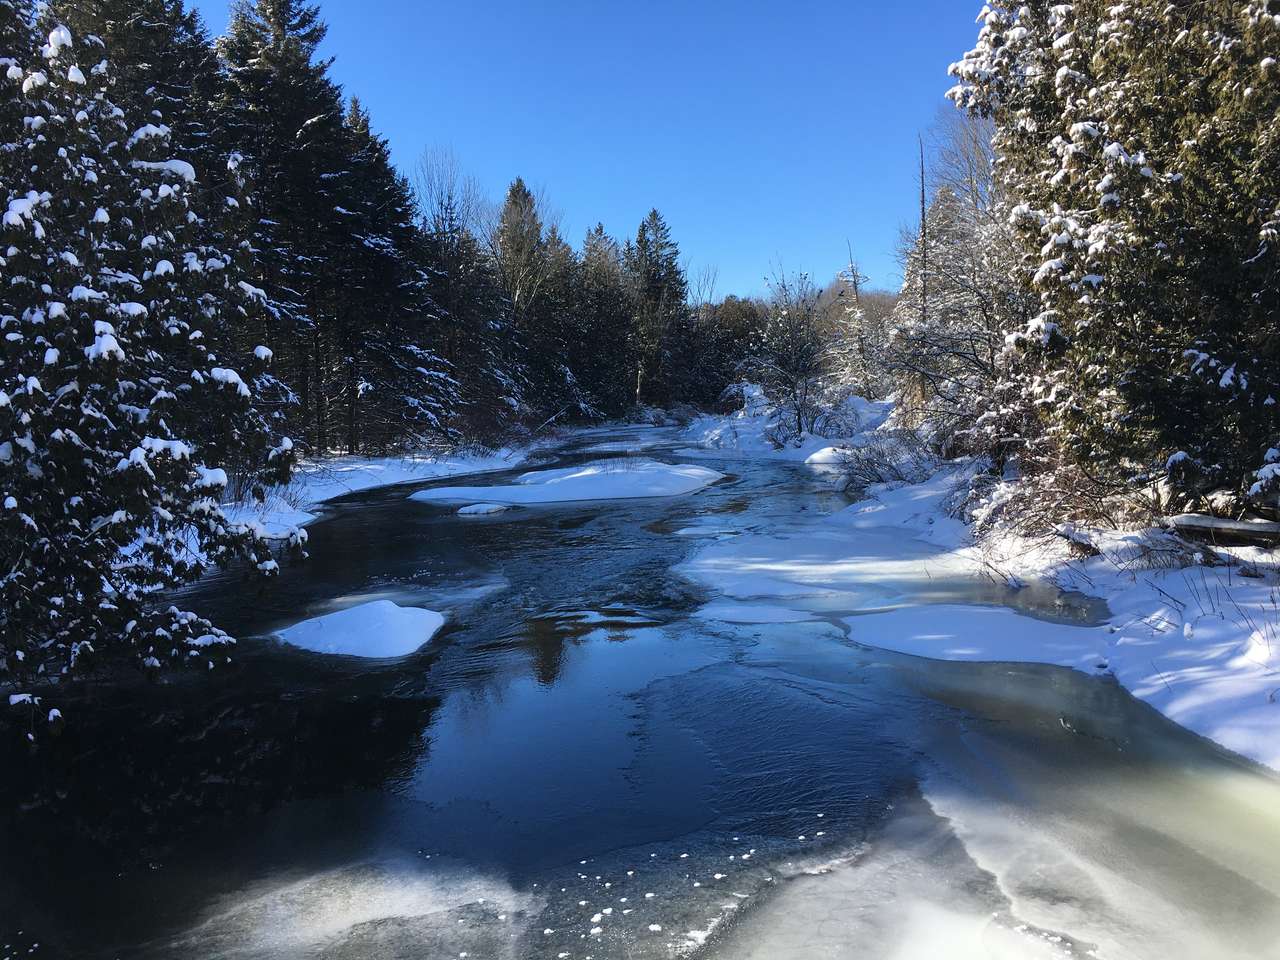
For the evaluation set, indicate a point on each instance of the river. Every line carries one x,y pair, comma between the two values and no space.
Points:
580,767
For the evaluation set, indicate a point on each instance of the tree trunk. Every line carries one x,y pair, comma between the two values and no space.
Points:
353,399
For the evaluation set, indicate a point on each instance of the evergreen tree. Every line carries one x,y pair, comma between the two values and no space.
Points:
519,251
172,71
392,384
658,293
469,312
107,495
601,352
1137,148
286,117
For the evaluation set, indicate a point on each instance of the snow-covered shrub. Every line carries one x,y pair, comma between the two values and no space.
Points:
840,414
891,456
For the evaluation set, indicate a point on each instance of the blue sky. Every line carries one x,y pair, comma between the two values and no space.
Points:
765,132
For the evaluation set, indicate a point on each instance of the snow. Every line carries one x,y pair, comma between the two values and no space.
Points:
1200,644
317,481
229,378
483,509
59,37
104,345
179,168
619,479
379,629
745,434
148,131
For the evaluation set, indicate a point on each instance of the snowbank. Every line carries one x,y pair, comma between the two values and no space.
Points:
746,434
314,482
621,479
1200,644
379,629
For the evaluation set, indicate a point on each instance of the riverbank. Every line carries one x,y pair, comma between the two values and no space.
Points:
1192,632
317,481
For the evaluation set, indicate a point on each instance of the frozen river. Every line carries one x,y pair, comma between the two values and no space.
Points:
579,766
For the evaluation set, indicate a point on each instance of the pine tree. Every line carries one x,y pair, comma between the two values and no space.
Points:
601,354
393,386
518,251
108,494
172,71
658,293
286,117
469,314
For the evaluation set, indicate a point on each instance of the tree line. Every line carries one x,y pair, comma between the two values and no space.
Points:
212,266
1091,299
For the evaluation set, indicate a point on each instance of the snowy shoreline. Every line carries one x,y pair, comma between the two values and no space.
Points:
1199,643
316,482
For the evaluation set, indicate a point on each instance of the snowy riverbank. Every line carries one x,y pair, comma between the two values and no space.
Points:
317,481
1199,643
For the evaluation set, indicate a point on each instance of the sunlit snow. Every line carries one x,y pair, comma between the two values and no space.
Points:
377,629
622,479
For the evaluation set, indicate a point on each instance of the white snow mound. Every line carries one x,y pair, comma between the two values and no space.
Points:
619,479
380,629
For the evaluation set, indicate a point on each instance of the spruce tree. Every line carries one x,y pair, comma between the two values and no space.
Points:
658,293
602,354
286,117
109,493
469,317
394,386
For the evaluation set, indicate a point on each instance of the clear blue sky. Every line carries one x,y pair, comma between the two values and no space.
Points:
763,131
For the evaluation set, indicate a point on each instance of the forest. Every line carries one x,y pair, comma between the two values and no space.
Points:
213,270
804,619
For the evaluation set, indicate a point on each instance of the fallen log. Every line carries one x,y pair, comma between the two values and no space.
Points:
1200,526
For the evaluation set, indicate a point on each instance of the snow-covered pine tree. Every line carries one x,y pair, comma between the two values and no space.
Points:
394,386
1137,143
559,347
337,238
285,117
470,318
171,69
108,491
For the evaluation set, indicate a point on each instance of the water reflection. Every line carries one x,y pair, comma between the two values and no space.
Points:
576,753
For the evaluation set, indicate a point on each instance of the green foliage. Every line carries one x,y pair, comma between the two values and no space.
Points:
118,416
1139,151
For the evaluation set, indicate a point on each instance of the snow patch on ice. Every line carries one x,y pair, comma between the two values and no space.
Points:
380,629
621,479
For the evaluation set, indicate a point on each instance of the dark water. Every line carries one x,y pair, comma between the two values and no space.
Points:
575,742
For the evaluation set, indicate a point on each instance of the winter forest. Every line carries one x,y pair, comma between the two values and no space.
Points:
222,304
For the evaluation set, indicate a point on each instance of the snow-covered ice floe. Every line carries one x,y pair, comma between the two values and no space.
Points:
619,479
380,629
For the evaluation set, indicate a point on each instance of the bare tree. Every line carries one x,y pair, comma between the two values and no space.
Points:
702,287
446,197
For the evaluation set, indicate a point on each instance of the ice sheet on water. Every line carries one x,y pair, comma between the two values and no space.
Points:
383,908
